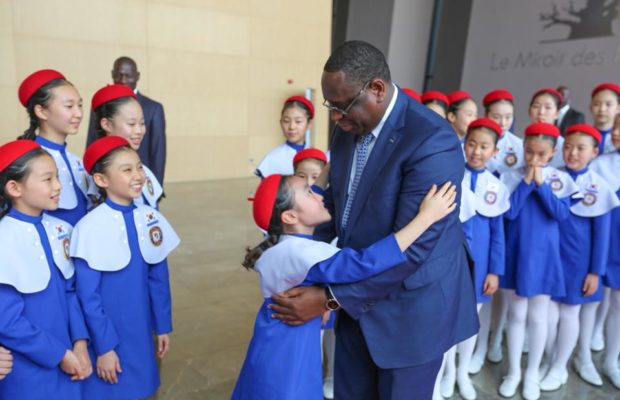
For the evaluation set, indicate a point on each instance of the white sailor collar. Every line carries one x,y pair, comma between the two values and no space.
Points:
493,196
598,197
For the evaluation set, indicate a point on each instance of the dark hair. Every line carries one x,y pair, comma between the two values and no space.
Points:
551,139
554,96
438,102
285,200
594,142
18,171
487,108
41,97
298,104
102,165
456,105
108,110
360,61
487,130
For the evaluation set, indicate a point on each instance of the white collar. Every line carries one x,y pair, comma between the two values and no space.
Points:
377,129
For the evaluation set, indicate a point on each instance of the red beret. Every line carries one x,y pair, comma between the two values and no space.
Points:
550,91
458,96
100,148
584,128
607,86
486,123
304,101
413,94
109,93
317,154
497,95
11,151
34,82
542,128
433,95
265,199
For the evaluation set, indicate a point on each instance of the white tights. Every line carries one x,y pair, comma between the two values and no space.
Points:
586,322
482,343
328,339
531,312
563,325
499,316
612,349
601,313
466,350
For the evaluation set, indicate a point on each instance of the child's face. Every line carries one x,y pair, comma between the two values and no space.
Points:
309,207
537,152
604,108
464,116
579,149
294,123
502,112
123,178
437,108
479,148
543,109
128,123
39,191
64,113
615,132
309,169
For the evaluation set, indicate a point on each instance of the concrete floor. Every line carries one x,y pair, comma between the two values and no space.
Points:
215,299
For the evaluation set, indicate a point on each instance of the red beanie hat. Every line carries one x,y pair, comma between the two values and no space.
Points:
311,152
607,86
550,91
413,94
304,101
34,81
458,96
100,148
486,123
584,128
542,128
265,199
434,95
11,151
109,93
497,95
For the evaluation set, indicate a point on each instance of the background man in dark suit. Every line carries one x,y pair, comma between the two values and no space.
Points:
153,148
388,150
568,115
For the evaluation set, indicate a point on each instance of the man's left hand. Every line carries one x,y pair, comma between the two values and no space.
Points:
299,305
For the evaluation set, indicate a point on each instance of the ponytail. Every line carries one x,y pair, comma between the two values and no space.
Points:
41,97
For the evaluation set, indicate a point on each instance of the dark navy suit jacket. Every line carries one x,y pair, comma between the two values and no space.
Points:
413,313
153,148
571,117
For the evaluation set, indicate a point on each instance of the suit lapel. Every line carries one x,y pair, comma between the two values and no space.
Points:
340,172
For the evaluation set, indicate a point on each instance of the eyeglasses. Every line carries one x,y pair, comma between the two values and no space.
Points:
351,104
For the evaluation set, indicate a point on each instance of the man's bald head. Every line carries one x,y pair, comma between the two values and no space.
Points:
125,71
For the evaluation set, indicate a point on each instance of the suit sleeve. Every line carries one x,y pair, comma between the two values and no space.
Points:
157,151
436,161
601,232
77,325
20,335
103,334
159,293
92,131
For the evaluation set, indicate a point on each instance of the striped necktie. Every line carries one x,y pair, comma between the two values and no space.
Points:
363,146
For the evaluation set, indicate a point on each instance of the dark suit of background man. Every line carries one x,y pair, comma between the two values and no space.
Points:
393,328
568,115
153,148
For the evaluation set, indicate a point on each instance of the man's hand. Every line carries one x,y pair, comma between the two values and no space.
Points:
299,305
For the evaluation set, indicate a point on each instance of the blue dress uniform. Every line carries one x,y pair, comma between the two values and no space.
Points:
533,264
487,226
75,181
282,361
608,166
584,236
40,316
123,285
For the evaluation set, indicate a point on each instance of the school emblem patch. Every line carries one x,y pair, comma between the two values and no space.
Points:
65,246
555,182
157,237
490,197
149,186
510,159
589,197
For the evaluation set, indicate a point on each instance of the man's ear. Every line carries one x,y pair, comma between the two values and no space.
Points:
100,180
289,217
379,88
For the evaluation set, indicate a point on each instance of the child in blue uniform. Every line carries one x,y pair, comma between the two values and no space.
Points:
436,101
487,244
118,113
295,120
40,317
309,163
284,362
55,109
604,106
545,107
122,281
584,246
540,198
462,110
608,166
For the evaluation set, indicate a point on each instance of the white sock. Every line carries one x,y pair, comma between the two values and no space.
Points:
449,360
466,350
612,349
587,319
537,311
517,315
329,347
601,313
568,333
499,316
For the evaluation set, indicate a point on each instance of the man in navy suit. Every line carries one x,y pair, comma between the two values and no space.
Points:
568,115
393,328
153,147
